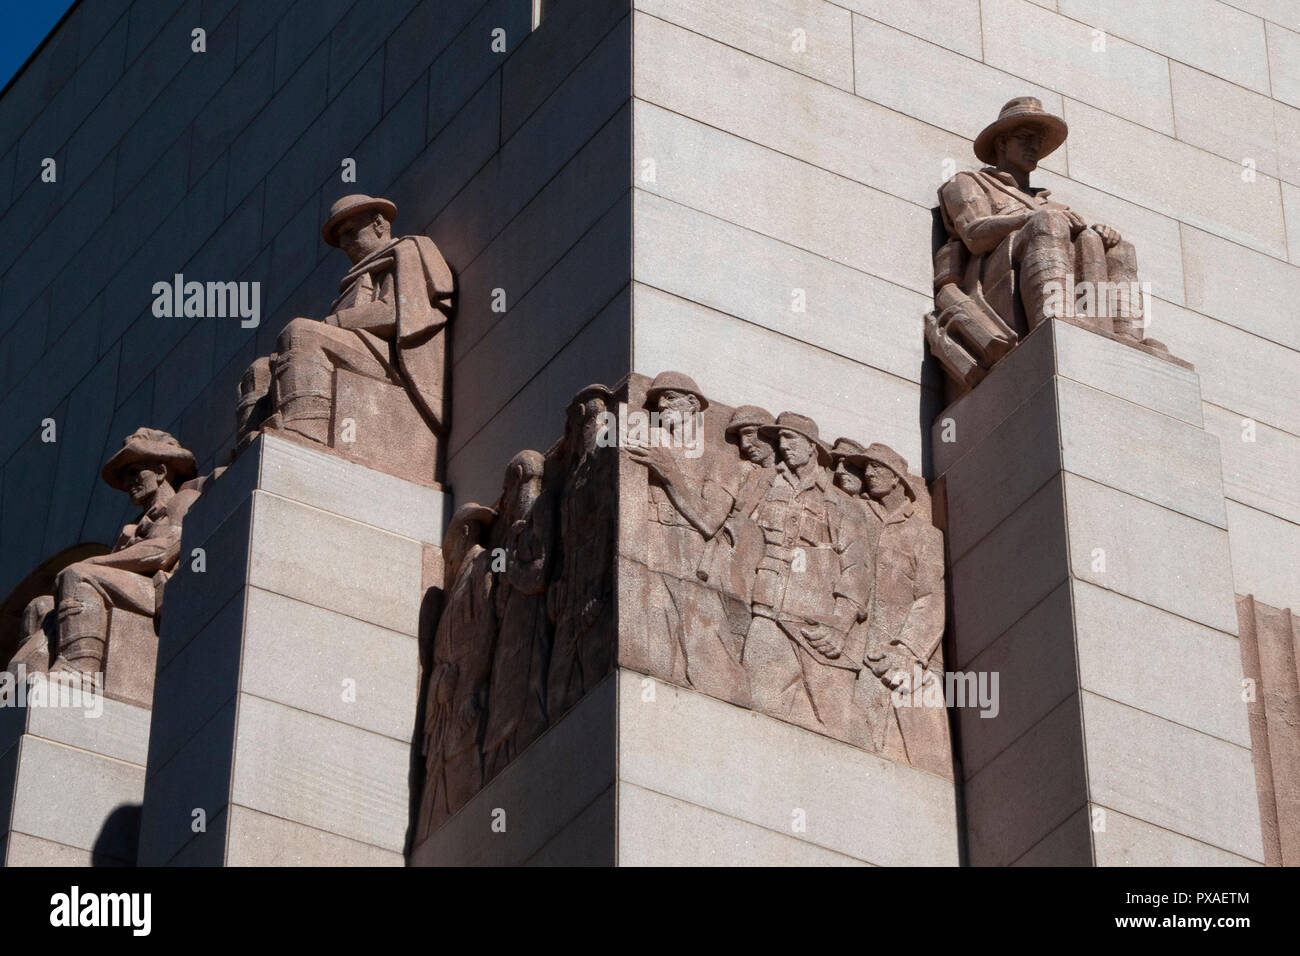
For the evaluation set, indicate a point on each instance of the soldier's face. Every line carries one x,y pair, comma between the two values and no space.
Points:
521,489
593,422
795,448
362,234
752,447
1021,148
142,482
683,403
880,479
676,410
847,479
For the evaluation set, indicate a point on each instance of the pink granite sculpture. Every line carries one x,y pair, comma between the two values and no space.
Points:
102,618
368,381
1015,257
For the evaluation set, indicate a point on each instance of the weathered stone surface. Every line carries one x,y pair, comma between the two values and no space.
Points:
1150,553
1226,41
656,830
258,839
1174,654
287,762
306,656
1127,841
95,792
1137,761
329,561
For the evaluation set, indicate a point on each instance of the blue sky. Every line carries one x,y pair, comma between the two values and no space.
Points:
23,25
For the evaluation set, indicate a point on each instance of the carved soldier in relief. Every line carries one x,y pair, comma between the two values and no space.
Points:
688,632
758,566
580,598
520,539
906,618
457,690
810,587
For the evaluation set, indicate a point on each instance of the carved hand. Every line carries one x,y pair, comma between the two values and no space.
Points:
823,639
658,460
1109,237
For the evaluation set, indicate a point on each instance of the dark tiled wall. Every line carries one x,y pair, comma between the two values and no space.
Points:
220,165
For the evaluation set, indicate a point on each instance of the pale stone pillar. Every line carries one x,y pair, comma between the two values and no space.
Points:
288,667
71,781
1089,567
645,773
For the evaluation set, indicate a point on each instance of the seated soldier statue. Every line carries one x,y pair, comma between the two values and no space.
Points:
1015,257
388,324
70,630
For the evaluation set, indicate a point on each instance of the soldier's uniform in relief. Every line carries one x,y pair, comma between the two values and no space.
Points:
808,567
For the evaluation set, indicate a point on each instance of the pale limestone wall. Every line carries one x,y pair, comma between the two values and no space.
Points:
221,165
777,170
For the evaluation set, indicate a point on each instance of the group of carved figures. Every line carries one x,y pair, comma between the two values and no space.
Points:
780,573
527,621
777,572
387,326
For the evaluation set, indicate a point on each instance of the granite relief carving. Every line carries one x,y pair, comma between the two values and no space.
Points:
731,551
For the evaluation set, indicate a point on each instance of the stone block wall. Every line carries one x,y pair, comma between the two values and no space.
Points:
221,165
797,147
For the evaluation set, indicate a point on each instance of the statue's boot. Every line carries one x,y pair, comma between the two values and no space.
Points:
83,631
1121,266
303,393
254,403
1091,267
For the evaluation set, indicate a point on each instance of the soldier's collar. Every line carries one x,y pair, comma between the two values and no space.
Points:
891,517
815,477
1007,179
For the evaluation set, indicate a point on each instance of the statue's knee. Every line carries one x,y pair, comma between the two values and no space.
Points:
256,377
36,612
299,334
70,578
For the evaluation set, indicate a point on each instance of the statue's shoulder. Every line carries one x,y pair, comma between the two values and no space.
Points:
965,182
181,503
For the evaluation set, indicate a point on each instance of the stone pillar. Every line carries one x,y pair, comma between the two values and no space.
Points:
1089,568
288,666
645,773
71,780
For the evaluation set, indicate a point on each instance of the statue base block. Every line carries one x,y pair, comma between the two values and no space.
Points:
71,782
288,666
1090,570
644,773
